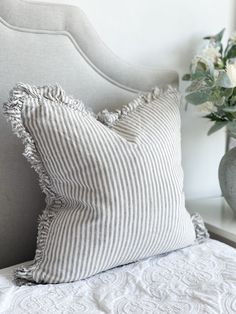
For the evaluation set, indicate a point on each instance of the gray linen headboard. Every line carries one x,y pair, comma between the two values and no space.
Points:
46,44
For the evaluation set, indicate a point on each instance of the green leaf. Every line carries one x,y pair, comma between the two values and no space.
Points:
232,128
214,116
186,77
217,126
220,64
199,75
196,85
233,100
229,109
228,47
223,80
209,82
227,92
210,67
229,116
199,97
231,52
219,102
218,37
201,68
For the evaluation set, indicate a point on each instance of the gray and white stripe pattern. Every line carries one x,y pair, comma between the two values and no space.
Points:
113,182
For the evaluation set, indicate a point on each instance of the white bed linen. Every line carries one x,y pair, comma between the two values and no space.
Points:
197,279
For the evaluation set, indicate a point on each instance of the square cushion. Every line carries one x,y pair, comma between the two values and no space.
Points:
113,181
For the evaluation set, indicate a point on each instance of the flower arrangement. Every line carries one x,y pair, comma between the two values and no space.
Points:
213,82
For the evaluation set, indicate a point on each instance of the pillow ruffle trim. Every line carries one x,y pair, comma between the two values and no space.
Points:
12,110
110,118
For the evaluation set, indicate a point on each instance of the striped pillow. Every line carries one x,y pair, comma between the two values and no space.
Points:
113,181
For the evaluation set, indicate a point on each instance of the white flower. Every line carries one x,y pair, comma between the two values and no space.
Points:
206,107
233,37
216,74
231,72
211,53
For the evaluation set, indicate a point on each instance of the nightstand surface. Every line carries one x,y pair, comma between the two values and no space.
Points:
217,215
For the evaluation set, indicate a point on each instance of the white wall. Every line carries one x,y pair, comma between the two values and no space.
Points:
167,33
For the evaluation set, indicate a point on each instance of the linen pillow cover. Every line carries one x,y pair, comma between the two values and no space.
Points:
113,181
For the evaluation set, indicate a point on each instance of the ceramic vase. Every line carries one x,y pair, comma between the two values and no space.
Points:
227,177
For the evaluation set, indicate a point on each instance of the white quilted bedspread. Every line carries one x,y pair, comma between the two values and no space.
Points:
198,279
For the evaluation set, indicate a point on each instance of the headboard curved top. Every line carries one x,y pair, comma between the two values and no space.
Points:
72,22
46,44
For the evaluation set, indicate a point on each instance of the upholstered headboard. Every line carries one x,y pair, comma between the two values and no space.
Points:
46,44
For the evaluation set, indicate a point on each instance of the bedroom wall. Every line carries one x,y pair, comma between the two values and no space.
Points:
167,33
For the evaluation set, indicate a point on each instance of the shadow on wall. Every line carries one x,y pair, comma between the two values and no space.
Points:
186,52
